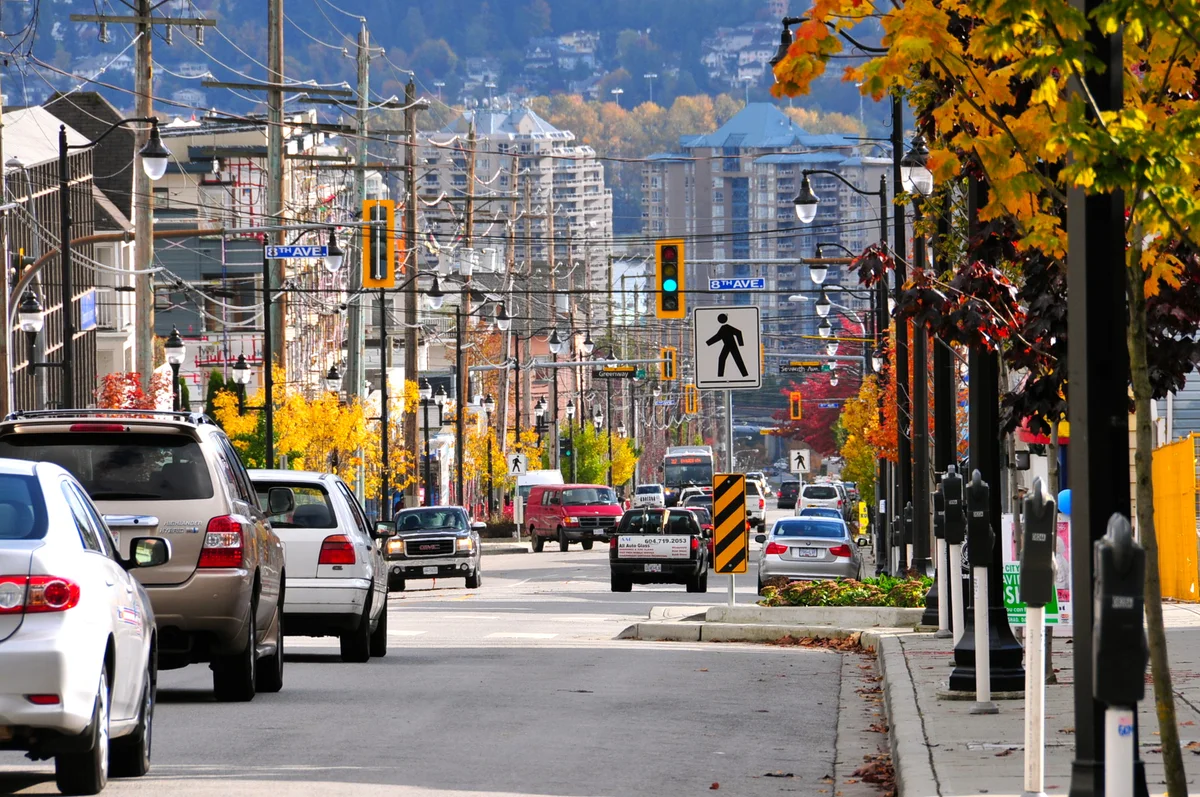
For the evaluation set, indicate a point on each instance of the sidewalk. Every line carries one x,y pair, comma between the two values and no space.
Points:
940,748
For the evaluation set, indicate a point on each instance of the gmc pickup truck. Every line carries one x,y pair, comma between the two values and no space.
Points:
659,546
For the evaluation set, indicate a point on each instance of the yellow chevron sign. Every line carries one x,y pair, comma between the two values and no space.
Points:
731,548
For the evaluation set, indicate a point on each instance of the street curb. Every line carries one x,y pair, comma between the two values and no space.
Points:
910,751
739,632
503,547
834,616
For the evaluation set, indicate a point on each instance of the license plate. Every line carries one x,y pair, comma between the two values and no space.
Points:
431,571
807,553
655,568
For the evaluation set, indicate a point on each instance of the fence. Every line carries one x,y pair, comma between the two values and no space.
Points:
1174,479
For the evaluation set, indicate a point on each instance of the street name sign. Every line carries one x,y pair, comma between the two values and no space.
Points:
727,347
738,284
801,367
287,252
828,405
615,372
731,544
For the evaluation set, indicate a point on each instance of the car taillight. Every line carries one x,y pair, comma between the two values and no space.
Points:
762,504
37,594
841,550
839,503
336,549
222,543
776,548
98,427
612,543
695,543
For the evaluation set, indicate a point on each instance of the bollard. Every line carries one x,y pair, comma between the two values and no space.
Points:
980,540
1118,637
942,576
1037,590
956,532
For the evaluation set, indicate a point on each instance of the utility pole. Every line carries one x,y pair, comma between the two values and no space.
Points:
275,167
355,380
6,393
464,317
526,386
510,266
413,263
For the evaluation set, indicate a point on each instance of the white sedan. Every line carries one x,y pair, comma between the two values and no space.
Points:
76,632
336,575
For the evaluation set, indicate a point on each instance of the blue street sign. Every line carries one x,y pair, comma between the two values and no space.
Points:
286,252
742,284
827,405
665,403
87,311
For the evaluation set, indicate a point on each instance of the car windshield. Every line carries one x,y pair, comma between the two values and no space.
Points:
313,510
651,521
683,475
821,492
430,519
797,527
789,487
589,496
753,487
649,489
820,511
22,509
698,500
118,466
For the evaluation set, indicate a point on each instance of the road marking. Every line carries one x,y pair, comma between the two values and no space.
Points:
405,633
515,635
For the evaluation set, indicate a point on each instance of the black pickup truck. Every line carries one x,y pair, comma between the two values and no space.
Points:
659,546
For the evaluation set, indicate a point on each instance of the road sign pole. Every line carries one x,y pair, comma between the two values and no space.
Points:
730,469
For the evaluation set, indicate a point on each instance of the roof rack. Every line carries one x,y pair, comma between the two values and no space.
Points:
195,418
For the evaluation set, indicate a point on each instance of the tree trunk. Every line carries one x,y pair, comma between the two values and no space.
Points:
1164,696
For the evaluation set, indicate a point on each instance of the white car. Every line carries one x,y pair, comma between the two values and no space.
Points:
336,574
649,496
756,504
76,632
820,494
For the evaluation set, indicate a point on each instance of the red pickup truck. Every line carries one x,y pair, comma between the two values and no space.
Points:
570,513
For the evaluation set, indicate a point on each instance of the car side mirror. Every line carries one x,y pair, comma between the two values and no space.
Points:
148,552
760,538
384,529
479,525
280,500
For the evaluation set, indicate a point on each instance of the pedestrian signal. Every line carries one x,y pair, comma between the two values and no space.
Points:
669,356
379,244
795,406
669,268
691,399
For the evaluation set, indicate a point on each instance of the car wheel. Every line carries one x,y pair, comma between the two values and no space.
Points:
129,756
356,644
536,541
563,545
704,581
379,639
587,545
269,675
475,579
760,585
621,583
235,677
87,772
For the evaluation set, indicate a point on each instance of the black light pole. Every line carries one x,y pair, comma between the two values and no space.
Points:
571,436
608,412
154,163
175,352
241,378
425,391
489,406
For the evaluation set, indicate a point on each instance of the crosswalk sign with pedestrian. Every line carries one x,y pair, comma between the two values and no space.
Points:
518,465
727,344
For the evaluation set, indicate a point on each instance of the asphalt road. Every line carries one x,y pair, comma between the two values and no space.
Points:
517,688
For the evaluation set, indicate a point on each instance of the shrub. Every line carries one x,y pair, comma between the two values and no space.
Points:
877,591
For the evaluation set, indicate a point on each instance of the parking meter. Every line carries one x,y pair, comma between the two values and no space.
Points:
1119,649
956,520
979,522
908,523
1037,548
939,513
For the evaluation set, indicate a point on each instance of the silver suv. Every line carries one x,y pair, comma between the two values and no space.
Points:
219,600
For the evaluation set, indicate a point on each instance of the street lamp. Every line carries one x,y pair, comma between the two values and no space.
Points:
833,380
914,173
656,391
539,414
241,378
334,256
621,430
617,92
333,379
503,321
831,348
176,351
877,361
598,420
434,296
825,330
489,406
556,344
441,397
806,202
425,391
823,304
588,346
30,315
817,272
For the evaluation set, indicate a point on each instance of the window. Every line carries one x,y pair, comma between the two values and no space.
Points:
802,527
820,492
718,211
718,196
360,517
718,182
88,533
431,519
22,509
718,225
589,496
122,465
243,485
313,509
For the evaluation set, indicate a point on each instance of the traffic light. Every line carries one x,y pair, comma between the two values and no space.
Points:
668,260
671,356
691,400
20,262
795,408
379,244
564,449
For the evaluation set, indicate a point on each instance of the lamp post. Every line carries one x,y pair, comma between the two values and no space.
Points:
539,413
154,163
571,435
426,394
241,378
489,406
333,379
176,352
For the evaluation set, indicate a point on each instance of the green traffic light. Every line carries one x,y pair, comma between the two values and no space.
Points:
670,285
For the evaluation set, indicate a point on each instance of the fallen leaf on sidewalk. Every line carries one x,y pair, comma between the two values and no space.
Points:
779,775
714,787
848,780
1066,730
827,779
878,727
702,669
1005,751
1189,722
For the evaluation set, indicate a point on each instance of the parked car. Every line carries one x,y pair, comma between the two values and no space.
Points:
77,632
756,505
852,492
569,513
649,495
659,546
337,578
433,542
175,475
705,519
847,506
808,548
820,494
820,511
789,491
